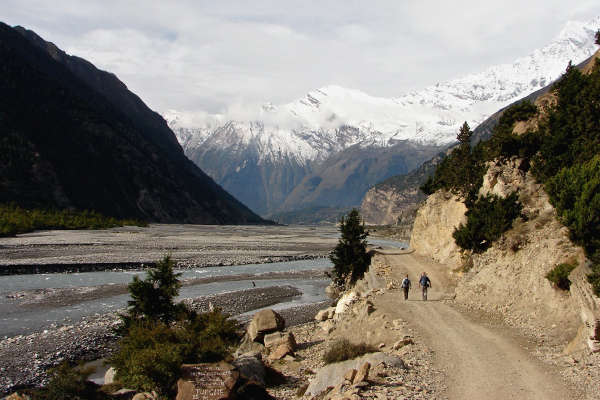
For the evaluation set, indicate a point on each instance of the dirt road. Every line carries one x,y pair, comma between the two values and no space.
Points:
481,361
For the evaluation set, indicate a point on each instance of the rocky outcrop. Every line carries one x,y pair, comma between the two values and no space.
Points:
510,277
335,374
386,206
434,225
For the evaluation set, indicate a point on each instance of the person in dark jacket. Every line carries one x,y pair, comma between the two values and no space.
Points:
425,283
406,286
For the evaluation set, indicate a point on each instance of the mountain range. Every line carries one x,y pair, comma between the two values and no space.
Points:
327,148
73,136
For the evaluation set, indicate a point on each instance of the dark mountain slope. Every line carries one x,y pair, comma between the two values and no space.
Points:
64,144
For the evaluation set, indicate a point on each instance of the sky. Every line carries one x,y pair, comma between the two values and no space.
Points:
205,56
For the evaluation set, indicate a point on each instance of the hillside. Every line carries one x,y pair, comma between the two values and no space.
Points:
75,137
269,156
517,216
399,196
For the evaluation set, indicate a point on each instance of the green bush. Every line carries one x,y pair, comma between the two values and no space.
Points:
350,259
487,219
575,192
594,278
150,355
343,349
559,275
15,220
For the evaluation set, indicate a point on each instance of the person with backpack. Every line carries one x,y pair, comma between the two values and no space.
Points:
425,283
406,286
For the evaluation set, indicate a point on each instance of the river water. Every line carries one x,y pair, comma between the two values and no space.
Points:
15,320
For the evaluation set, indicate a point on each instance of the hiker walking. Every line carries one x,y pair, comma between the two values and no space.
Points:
425,283
406,286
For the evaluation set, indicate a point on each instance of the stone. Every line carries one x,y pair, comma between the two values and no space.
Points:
207,381
328,326
145,396
109,376
281,351
274,340
363,373
251,368
345,303
322,315
349,376
249,346
263,322
17,396
333,374
381,346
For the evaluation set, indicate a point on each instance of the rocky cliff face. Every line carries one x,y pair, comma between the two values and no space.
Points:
432,231
509,278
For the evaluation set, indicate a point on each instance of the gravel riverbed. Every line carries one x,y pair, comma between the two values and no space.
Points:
25,358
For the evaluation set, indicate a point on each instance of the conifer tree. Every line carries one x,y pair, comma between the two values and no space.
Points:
464,134
350,259
153,299
598,37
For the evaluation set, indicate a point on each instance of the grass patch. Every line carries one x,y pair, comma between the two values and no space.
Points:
559,275
343,349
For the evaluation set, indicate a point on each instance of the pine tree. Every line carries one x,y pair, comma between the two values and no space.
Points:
465,133
598,37
153,299
350,259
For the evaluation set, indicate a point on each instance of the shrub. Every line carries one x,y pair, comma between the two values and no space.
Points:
150,356
594,278
350,259
343,349
487,219
559,275
575,193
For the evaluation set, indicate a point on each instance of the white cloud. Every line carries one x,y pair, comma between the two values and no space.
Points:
230,56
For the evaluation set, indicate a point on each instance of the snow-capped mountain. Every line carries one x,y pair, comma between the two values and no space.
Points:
308,131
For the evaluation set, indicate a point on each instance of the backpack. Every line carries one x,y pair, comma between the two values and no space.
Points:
406,283
425,281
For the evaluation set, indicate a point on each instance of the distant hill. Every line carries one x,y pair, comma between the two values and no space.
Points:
72,136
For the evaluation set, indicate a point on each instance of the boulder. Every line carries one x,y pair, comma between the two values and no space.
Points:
207,381
109,376
263,322
349,376
363,373
274,340
251,368
281,351
334,374
328,326
17,396
145,396
249,346
345,303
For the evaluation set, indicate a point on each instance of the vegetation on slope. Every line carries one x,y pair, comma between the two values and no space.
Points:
563,153
15,220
